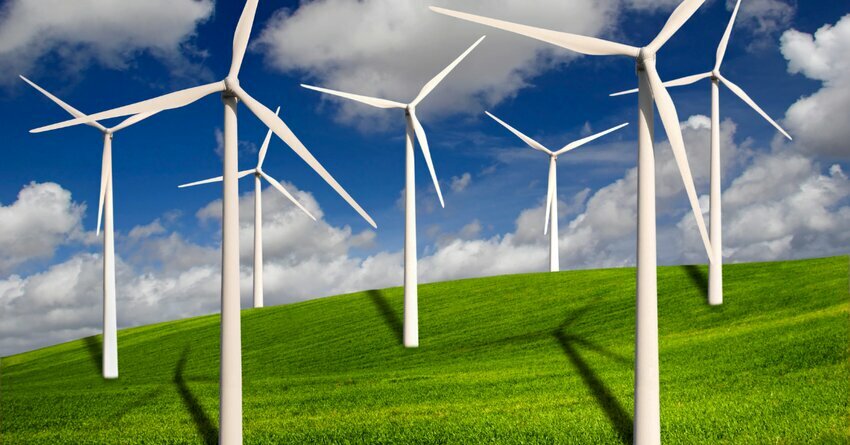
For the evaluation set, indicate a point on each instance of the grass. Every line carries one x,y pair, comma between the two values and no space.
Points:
538,358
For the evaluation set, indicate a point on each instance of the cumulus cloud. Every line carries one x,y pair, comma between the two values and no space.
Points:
41,219
390,49
764,17
460,183
108,32
823,57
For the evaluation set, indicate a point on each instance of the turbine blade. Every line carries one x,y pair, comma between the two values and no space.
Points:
426,152
373,101
550,193
623,93
581,44
740,93
670,119
687,80
286,135
105,168
679,17
266,141
241,175
724,42
442,75
282,190
583,141
531,142
130,121
241,36
71,110
169,101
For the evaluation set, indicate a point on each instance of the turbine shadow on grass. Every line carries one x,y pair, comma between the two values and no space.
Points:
390,317
617,415
206,429
698,278
95,347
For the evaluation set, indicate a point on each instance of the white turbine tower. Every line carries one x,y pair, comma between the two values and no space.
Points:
715,268
411,311
104,213
230,403
258,211
647,421
552,193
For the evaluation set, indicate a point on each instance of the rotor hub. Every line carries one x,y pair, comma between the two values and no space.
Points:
230,83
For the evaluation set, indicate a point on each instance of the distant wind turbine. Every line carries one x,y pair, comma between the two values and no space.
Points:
104,212
647,422
258,211
552,193
411,311
230,402
715,268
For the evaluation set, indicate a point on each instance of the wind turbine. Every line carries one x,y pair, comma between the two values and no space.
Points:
104,212
411,311
552,194
647,422
258,211
715,267
230,403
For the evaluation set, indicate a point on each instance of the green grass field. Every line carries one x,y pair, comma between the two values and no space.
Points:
538,358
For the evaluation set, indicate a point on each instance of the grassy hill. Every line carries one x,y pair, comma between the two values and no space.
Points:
538,358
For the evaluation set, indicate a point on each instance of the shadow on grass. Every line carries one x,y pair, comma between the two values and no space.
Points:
206,429
390,317
142,401
699,278
95,347
617,415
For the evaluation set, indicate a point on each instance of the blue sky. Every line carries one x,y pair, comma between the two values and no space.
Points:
561,98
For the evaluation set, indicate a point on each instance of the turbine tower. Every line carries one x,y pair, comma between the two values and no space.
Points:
552,193
715,267
258,211
414,129
230,402
104,213
647,421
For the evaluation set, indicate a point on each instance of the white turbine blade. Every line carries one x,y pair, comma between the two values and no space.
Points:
373,101
687,80
242,174
169,101
740,93
71,110
531,142
241,36
623,93
266,141
580,142
680,15
282,190
130,121
104,176
724,42
550,193
285,134
442,75
582,44
426,152
670,119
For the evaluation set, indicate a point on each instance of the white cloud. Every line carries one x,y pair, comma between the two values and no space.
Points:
460,183
764,16
41,219
817,120
109,32
390,49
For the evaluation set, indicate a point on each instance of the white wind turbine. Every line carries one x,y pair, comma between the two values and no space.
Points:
647,421
715,267
258,211
104,212
230,402
552,193
411,308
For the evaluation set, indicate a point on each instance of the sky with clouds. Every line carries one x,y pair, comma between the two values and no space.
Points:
781,199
